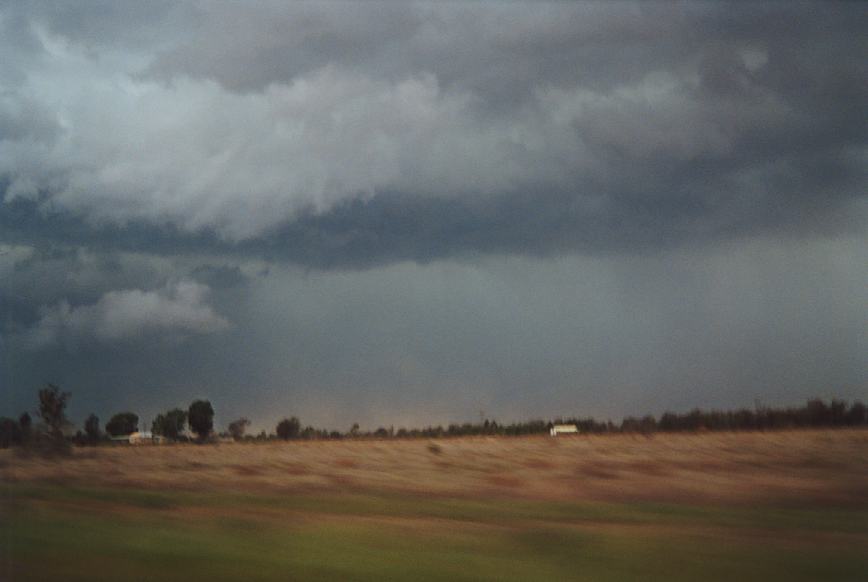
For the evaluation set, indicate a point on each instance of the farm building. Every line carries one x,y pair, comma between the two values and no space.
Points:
557,429
146,438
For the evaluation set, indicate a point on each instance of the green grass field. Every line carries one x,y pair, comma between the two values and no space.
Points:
83,533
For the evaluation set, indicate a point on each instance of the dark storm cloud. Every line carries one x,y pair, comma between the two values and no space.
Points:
532,128
354,209
97,24
219,276
393,227
518,337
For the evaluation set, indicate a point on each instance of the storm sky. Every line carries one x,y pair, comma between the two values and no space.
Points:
405,214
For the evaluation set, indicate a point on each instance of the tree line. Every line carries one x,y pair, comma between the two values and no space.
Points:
55,431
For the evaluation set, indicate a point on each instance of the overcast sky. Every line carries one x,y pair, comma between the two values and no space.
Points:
403,214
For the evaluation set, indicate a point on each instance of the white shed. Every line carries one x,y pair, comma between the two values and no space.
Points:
563,429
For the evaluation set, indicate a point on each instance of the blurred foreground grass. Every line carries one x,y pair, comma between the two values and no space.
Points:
85,533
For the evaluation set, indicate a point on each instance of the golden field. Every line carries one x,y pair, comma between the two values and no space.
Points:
811,466
712,506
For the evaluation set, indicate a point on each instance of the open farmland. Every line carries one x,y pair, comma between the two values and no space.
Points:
713,506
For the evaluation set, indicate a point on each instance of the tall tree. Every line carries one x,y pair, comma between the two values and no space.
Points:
857,414
201,418
10,432
91,428
25,423
170,424
52,409
238,427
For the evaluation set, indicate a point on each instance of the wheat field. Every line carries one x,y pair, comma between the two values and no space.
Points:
794,466
711,506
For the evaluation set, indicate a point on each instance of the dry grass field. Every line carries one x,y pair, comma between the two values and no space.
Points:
777,505
781,467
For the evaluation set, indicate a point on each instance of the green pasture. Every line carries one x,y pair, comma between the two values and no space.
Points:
62,533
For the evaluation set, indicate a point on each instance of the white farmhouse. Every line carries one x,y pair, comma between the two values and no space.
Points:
557,429
146,438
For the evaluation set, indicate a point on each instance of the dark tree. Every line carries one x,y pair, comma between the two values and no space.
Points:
170,424
201,418
857,415
26,425
91,428
818,412
10,433
159,424
25,421
289,428
123,423
52,409
238,427
837,412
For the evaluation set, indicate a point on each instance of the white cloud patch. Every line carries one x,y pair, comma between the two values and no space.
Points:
176,310
195,155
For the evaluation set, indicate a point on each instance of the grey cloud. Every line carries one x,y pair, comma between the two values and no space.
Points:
21,120
521,337
219,276
246,49
393,227
485,47
680,121
518,337
45,271
178,308
412,211
323,140
98,24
